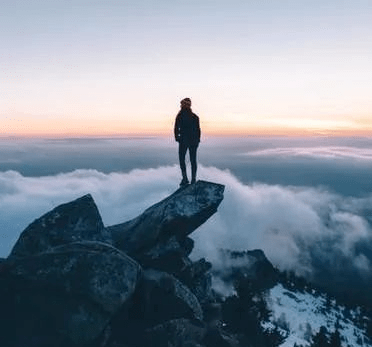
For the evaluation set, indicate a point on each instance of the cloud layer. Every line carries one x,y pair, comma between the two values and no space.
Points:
300,229
322,152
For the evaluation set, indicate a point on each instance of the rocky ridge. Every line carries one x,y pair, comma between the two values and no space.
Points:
71,281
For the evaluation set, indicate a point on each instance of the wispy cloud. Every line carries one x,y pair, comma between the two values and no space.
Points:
326,152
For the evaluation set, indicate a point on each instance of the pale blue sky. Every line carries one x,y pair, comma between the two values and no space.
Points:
246,65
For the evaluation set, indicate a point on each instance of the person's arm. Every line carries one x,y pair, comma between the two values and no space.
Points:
177,133
198,132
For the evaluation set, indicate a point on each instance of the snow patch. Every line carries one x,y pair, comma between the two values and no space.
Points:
302,314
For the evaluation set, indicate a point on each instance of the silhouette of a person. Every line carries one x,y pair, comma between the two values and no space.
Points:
187,134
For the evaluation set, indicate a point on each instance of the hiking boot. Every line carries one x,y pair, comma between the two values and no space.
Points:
184,182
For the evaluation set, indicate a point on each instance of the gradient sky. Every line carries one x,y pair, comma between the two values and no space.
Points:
88,67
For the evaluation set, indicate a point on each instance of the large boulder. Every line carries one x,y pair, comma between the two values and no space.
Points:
177,332
7,310
78,220
216,337
161,297
72,290
198,278
168,249
177,215
169,255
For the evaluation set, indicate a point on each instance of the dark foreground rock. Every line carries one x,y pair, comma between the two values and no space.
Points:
70,292
187,333
198,277
71,282
177,332
162,297
78,220
96,271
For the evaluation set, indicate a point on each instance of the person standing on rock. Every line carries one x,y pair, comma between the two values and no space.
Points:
187,134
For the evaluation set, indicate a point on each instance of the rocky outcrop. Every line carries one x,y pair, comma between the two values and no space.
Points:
66,282
178,215
72,282
96,271
78,220
77,286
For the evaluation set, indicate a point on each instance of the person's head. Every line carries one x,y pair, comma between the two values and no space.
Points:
186,103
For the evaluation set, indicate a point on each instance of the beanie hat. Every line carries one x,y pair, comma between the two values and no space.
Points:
186,102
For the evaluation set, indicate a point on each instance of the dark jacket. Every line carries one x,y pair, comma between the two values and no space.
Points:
187,128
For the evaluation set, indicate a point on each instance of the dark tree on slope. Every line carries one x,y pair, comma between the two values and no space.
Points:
243,314
291,281
368,325
308,332
335,340
320,339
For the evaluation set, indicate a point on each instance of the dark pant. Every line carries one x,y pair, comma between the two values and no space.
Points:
182,149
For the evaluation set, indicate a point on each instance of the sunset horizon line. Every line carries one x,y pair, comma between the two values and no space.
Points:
264,133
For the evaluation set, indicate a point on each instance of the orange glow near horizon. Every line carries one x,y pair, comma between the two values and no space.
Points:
117,128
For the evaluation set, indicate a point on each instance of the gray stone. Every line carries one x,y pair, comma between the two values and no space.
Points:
163,249
177,215
177,332
81,284
176,288
168,248
198,277
78,220
216,337
161,297
169,256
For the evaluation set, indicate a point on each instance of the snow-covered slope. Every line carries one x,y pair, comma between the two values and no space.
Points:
299,315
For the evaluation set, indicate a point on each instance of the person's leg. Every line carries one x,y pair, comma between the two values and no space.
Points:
192,150
181,154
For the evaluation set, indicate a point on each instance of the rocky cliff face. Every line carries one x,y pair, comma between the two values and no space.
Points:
78,220
71,281
176,216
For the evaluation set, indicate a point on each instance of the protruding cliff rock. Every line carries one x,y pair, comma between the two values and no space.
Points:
177,215
78,220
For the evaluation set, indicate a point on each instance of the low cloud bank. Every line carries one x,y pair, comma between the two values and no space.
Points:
321,152
119,196
302,229
291,225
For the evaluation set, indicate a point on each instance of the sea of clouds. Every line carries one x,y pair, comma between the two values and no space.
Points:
318,152
298,228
